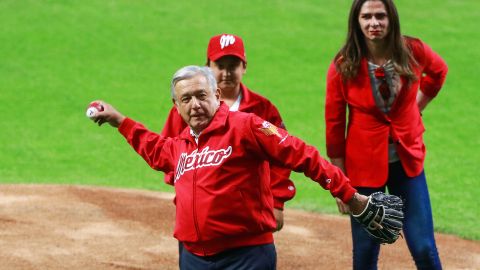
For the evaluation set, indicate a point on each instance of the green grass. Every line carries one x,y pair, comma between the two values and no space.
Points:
56,56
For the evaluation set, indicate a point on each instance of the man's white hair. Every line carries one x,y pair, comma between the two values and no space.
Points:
189,72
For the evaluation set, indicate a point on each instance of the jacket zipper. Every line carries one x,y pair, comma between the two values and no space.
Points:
194,183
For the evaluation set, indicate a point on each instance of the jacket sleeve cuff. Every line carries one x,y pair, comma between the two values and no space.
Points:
336,150
126,126
277,204
347,195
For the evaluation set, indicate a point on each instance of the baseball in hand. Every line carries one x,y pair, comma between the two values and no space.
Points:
93,109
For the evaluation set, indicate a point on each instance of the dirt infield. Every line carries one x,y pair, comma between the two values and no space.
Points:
77,227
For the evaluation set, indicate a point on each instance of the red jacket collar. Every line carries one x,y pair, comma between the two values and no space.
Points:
249,99
219,119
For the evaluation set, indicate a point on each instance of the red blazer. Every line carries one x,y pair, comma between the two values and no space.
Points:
282,187
223,195
364,142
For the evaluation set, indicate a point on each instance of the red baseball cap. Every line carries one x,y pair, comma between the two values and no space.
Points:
226,44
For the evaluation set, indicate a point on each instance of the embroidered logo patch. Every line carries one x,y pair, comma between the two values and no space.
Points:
269,129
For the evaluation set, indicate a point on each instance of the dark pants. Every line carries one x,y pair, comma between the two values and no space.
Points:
261,257
417,227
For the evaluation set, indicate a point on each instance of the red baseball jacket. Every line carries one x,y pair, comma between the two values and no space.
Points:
365,147
223,196
282,187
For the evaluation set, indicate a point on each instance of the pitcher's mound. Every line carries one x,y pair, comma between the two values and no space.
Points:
78,227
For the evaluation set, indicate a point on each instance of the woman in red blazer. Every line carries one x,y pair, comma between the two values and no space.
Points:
377,75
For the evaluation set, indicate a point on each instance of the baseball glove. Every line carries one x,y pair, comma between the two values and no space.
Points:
382,218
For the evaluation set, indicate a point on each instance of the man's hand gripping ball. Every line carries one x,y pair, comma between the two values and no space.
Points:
101,112
382,218
93,108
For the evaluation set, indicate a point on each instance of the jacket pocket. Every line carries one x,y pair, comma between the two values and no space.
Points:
230,213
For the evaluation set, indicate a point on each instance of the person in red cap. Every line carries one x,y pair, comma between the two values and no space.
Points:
227,59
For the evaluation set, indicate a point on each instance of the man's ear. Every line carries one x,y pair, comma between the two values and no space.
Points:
217,93
175,104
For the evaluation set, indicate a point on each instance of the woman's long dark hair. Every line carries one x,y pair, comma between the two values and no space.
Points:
348,58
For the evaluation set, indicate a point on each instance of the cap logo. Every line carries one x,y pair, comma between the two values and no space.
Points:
226,40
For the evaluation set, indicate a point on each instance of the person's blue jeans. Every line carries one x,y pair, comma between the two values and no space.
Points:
417,225
261,257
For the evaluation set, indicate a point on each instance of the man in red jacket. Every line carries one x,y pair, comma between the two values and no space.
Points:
224,205
227,59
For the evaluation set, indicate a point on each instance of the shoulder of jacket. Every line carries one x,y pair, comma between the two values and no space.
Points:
241,119
414,43
263,107
416,47
259,98
333,73
239,115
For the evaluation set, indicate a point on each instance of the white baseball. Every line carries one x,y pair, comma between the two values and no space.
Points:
91,112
